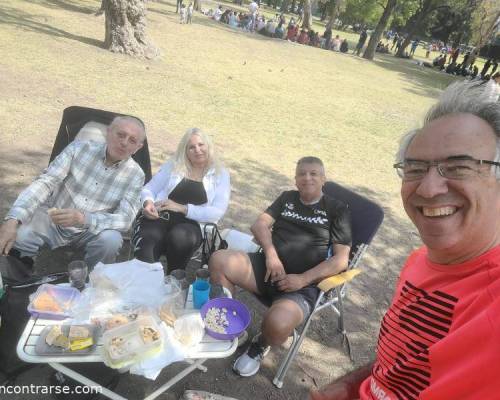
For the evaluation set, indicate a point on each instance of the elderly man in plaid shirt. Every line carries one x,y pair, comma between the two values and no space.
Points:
86,197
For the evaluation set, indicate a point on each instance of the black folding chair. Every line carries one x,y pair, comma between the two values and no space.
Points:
366,218
74,119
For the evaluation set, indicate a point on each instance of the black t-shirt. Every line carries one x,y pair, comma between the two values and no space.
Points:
303,233
188,191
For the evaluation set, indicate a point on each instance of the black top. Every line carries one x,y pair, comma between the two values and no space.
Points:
303,233
188,191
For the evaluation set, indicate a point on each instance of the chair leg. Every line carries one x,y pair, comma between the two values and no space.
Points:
341,327
294,348
283,367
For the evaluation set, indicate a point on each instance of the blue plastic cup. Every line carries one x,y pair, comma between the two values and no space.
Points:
201,290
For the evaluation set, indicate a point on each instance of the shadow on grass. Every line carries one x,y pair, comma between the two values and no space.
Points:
65,5
29,22
429,81
13,167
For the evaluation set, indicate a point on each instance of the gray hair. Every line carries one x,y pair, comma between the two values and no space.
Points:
311,160
182,165
131,120
460,98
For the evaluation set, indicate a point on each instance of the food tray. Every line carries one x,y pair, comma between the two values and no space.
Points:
61,300
43,349
134,348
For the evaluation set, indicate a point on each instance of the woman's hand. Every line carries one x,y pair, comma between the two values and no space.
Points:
149,210
171,205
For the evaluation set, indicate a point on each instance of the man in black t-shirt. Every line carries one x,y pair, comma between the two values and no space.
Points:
296,233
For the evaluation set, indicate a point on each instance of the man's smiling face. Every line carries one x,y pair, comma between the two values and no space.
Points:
457,219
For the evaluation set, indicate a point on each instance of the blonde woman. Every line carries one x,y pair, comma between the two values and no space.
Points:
192,187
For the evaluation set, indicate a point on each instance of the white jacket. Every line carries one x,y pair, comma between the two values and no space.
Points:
217,187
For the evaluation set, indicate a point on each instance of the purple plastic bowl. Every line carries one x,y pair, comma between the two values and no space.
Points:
237,323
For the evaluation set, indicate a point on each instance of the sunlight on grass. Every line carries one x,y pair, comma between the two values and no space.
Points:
264,100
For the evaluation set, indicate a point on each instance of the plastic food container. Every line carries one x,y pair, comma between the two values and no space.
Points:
227,318
132,342
53,301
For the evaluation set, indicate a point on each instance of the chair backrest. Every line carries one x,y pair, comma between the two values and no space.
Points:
366,216
75,118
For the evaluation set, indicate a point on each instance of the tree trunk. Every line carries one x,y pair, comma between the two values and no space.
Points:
307,21
196,5
284,6
126,28
377,33
414,24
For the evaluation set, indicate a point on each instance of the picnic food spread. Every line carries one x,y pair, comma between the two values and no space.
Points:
118,317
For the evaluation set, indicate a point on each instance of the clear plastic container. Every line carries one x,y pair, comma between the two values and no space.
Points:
53,301
132,342
189,329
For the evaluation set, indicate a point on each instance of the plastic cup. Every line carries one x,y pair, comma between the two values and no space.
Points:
202,274
180,275
77,273
201,290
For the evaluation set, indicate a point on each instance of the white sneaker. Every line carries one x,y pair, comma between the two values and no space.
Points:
248,364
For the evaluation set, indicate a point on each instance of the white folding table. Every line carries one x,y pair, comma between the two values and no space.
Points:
208,348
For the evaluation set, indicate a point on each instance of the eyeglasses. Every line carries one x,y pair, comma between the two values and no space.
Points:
458,168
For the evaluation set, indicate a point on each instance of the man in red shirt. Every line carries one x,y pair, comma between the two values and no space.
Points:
440,337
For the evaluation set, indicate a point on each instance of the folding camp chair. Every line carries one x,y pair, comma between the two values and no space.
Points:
89,123
366,217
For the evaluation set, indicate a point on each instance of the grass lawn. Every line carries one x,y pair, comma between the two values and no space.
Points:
266,102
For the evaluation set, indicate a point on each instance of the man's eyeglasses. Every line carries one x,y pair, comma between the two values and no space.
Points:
453,168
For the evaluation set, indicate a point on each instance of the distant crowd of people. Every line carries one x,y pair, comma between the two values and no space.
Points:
277,27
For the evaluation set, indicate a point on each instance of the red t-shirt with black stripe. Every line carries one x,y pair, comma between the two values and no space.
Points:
440,338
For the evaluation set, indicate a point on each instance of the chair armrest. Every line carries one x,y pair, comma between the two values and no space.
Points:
336,280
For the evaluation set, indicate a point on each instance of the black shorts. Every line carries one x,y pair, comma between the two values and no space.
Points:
305,297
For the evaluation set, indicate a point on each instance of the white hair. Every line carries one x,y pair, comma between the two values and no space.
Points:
460,98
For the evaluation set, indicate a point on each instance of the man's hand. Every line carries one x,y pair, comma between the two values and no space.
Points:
149,210
290,282
334,391
67,217
171,205
274,267
8,233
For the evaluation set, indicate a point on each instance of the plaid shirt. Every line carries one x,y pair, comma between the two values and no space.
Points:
109,196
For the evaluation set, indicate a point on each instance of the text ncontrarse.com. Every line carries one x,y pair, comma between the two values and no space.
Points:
48,389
